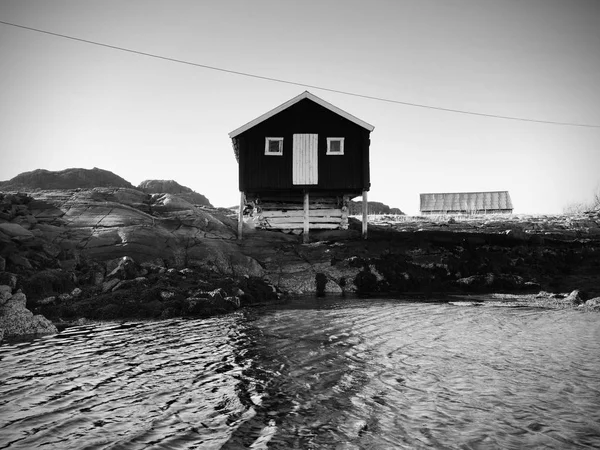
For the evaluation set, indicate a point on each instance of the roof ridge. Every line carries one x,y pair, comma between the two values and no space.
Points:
293,101
468,192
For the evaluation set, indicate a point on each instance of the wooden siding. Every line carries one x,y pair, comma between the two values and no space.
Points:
305,159
325,213
466,202
348,172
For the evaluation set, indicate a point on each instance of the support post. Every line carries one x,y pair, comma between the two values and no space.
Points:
306,218
365,214
241,214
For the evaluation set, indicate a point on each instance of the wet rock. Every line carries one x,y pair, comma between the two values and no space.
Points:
17,320
490,281
574,298
8,279
465,303
19,261
365,282
47,301
593,304
186,271
517,235
126,269
531,285
91,273
109,284
65,297
214,302
14,230
256,291
166,295
321,282
127,284
5,293
234,300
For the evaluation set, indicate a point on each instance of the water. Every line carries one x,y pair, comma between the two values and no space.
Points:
323,374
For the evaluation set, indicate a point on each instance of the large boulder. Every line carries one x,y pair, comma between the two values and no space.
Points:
593,304
14,230
16,320
169,202
490,281
574,298
172,187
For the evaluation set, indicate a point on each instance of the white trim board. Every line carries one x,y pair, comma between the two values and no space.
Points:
295,100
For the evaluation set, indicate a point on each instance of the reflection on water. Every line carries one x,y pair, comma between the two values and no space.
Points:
339,374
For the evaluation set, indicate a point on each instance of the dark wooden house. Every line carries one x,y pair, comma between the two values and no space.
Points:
300,164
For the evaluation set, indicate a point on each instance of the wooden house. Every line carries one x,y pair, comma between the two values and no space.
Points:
300,164
496,202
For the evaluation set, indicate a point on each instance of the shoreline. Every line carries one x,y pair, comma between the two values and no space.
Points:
104,254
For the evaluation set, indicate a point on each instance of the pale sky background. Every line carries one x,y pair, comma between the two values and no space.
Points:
69,104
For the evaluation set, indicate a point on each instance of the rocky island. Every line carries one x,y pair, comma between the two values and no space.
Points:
87,245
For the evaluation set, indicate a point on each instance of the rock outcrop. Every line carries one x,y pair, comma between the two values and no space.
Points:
17,320
69,229
53,242
116,252
129,290
172,187
64,179
58,229
355,208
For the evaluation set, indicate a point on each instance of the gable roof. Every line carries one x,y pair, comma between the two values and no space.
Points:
295,100
466,201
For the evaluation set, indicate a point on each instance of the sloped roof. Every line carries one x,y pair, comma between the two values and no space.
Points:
466,201
295,100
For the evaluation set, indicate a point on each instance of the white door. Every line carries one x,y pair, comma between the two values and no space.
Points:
305,160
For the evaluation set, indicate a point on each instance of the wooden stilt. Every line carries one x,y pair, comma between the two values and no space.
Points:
241,215
365,214
306,218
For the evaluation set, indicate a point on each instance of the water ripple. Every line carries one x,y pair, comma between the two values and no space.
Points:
320,374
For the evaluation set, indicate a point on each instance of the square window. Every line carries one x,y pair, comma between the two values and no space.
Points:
274,146
335,146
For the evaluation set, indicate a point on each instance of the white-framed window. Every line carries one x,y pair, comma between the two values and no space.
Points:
274,146
335,146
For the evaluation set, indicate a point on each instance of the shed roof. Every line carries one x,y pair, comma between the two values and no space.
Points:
295,100
466,201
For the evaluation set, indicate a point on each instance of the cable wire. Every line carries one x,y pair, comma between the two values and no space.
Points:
311,86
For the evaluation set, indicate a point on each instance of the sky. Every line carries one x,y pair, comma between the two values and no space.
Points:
65,103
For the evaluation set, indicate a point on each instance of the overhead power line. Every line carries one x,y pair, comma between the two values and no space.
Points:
311,86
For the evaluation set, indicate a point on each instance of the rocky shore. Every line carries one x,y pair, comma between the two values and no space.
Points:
110,253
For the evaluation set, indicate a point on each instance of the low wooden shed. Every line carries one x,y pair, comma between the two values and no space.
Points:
300,164
493,202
